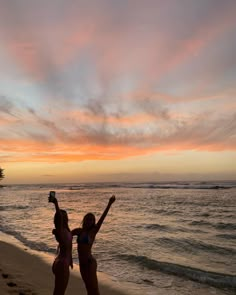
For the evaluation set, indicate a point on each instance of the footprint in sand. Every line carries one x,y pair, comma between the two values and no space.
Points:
9,284
20,291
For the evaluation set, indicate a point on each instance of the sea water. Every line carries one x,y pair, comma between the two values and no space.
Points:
156,237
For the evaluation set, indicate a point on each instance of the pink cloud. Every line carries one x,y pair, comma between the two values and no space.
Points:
106,68
116,49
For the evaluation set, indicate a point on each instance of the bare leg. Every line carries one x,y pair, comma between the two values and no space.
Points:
84,271
93,286
89,275
62,273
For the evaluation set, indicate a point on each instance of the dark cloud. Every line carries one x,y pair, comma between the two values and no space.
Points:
204,133
6,106
153,107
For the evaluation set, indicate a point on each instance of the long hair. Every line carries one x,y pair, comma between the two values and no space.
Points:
85,217
57,222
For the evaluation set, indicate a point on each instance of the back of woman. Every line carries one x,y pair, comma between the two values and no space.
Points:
63,261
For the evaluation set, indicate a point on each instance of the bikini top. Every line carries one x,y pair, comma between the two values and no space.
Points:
84,238
66,238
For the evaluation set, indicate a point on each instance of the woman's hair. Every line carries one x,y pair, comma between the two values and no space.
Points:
57,222
86,217
58,216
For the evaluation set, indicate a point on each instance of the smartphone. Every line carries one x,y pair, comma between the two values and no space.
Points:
52,194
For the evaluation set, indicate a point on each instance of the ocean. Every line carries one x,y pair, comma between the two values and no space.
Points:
158,238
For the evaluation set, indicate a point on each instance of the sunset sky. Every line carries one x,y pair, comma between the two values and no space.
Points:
117,90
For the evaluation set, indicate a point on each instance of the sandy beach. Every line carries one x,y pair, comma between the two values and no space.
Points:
22,272
27,272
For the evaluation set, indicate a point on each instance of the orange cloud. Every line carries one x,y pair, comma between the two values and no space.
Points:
124,120
31,151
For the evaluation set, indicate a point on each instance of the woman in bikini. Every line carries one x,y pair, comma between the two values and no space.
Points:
85,238
64,237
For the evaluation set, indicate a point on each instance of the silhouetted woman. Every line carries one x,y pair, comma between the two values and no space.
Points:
64,237
85,238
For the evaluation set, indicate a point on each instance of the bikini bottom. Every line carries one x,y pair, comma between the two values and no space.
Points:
60,264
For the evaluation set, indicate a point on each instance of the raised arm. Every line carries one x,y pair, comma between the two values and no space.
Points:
101,219
53,199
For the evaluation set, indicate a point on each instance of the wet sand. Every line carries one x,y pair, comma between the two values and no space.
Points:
23,273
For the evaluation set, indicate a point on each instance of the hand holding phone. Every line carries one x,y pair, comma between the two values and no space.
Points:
112,199
52,196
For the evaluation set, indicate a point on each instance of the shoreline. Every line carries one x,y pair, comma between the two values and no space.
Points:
24,271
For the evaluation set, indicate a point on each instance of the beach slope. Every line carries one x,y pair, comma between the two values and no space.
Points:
22,272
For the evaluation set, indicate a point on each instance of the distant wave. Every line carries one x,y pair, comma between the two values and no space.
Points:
219,225
223,225
167,228
182,186
144,185
227,236
157,211
219,280
200,222
10,207
190,245
165,211
172,212
156,226
203,214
